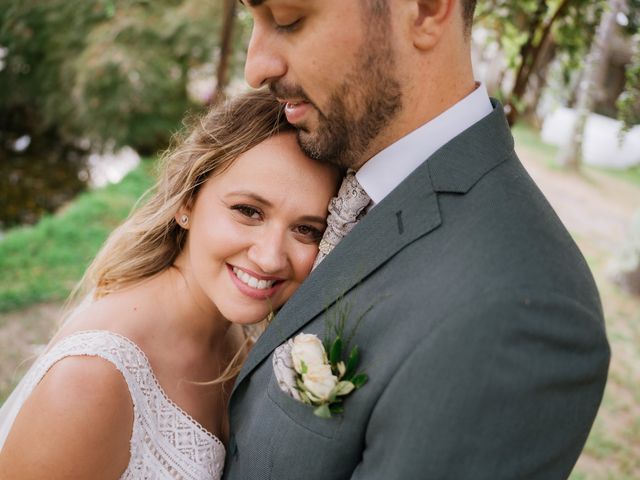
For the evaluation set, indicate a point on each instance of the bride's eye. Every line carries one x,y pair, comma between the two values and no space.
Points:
248,211
309,233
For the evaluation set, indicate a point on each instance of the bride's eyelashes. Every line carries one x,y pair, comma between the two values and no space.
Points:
309,233
248,211
305,232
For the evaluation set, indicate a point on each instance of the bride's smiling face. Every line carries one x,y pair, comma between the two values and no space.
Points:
254,229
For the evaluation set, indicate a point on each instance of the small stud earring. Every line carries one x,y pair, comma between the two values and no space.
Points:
184,219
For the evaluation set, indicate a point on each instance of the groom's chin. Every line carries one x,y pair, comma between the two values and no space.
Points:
308,141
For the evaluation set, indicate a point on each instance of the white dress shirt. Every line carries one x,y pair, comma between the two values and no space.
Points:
386,170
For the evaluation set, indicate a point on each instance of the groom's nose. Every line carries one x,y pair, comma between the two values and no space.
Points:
265,64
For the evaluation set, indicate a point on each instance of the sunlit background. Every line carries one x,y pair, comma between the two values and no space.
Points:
91,92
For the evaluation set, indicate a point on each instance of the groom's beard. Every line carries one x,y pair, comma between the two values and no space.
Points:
359,109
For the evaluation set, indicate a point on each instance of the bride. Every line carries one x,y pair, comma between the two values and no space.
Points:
135,384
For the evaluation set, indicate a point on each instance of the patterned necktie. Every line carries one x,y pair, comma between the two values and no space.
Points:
344,212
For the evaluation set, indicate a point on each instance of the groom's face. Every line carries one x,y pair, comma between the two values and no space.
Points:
332,63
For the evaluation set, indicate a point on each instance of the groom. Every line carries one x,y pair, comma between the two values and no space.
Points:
484,344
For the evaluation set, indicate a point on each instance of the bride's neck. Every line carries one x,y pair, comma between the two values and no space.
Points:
183,310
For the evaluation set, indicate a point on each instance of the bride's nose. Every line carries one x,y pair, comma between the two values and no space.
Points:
268,252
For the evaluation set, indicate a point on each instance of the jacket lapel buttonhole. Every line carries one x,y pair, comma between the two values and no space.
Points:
400,223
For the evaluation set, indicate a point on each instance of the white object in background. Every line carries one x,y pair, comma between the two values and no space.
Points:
112,167
601,146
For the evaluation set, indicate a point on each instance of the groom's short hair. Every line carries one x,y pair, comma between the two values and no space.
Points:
468,10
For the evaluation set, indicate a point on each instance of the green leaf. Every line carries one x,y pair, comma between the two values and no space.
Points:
336,408
336,351
305,398
343,388
322,411
303,367
352,363
359,380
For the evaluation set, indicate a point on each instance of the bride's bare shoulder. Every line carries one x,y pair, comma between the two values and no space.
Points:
122,313
80,409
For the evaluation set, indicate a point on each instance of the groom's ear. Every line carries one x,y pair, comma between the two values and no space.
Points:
430,19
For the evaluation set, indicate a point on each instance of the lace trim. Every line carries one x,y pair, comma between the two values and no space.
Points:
195,423
166,422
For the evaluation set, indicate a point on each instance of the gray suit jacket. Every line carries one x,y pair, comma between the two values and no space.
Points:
485,348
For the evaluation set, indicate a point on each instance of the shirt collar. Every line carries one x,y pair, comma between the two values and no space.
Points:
387,169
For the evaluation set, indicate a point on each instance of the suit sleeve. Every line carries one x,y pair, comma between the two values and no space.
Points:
507,388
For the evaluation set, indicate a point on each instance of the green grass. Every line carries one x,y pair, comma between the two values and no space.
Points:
529,138
631,175
43,262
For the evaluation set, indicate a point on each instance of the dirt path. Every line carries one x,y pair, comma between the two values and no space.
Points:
23,334
592,205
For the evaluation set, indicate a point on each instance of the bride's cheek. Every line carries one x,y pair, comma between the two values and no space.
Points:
306,258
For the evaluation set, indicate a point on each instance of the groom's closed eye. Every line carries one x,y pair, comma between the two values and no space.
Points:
289,27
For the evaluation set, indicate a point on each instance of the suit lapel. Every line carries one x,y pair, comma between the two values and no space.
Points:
406,214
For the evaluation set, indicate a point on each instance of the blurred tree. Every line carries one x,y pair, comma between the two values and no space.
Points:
533,33
528,31
629,101
84,76
226,49
571,155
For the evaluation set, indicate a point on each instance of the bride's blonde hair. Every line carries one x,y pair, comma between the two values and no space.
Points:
150,239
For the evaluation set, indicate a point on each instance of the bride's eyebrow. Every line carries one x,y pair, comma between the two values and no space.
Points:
313,219
255,196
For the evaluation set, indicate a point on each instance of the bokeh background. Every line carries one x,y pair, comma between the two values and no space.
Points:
91,92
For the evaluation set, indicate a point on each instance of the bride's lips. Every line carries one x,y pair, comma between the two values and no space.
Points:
296,110
256,293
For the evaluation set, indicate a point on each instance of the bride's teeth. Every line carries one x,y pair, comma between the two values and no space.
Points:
252,281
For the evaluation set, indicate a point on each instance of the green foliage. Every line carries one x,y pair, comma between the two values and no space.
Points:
526,28
521,26
44,262
109,72
628,103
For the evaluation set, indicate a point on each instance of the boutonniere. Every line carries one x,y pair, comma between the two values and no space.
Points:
320,374
323,380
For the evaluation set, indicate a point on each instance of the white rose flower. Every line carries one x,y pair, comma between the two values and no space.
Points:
307,349
319,381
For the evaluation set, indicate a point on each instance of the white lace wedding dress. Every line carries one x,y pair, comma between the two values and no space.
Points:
166,442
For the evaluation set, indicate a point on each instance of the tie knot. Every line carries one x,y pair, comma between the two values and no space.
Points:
344,212
351,200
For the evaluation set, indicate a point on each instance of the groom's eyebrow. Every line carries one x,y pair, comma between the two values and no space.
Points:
253,3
